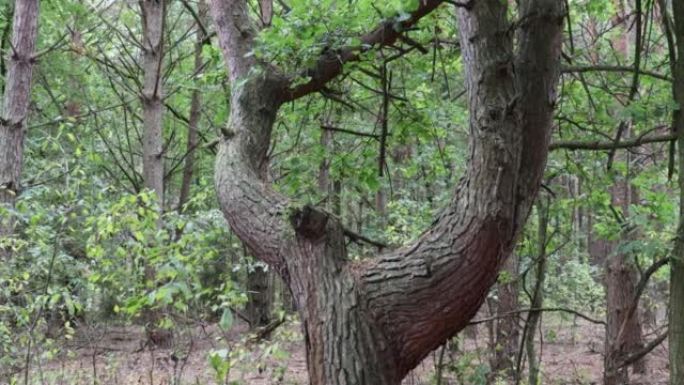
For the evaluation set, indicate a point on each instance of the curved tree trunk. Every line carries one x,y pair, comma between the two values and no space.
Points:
14,108
372,322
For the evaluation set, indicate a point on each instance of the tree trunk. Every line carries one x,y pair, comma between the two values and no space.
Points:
151,96
14,110
507,328
537,300
324,187
260,297
371,322
676,314
623,328
8,14
195,111
152,14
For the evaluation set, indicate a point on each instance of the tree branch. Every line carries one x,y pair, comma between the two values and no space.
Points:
541,309
636,356
331,63
347,131
610,145
609,68
358,238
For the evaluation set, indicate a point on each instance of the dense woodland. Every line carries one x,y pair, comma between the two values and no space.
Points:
342,192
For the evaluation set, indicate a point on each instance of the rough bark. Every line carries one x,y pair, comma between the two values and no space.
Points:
372,322
507,327
676,314
15,106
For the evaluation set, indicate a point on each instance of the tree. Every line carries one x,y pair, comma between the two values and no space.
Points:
152,15
15,106
373,321
507,338
151,95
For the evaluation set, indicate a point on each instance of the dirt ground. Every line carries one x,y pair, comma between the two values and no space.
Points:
113,355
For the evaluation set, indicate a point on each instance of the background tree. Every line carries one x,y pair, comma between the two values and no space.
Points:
15,103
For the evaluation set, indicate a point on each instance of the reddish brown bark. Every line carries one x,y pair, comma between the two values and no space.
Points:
372,322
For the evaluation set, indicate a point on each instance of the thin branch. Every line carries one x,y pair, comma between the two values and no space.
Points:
643,281
358,238
604,145
610,68
636,356
331,63
541,309
347,131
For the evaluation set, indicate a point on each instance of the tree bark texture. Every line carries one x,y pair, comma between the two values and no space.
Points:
15,105
507,328
152,15
151,96
371,322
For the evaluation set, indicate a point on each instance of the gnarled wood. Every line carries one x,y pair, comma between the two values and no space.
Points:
372,322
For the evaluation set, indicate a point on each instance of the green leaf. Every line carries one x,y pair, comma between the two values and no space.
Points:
226,321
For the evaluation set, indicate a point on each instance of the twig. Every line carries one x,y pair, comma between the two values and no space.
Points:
358,238
541,309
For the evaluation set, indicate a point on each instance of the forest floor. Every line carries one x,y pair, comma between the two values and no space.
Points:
114,356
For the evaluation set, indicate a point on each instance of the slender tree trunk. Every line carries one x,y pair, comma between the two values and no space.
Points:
260,297
151,96
14,110
507,328
152,14
623,330
195,111
537,300
8,15
676,314
371,322
324,187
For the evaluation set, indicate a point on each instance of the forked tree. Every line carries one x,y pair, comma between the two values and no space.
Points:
371,322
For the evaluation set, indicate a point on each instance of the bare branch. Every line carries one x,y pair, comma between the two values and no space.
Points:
609,68
542,309
331,63
610,145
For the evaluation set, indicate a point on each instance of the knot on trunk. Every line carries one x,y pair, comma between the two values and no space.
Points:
309,222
